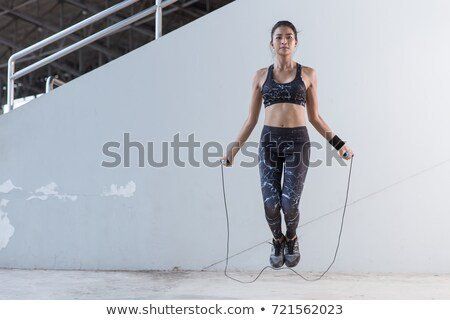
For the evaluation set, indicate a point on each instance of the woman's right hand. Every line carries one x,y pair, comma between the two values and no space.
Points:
346,149
227,160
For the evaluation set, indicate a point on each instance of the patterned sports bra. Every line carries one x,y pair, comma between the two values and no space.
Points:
290,92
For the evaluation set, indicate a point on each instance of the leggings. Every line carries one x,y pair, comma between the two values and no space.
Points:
281,150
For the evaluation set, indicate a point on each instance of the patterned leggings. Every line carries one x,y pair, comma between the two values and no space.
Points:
289,148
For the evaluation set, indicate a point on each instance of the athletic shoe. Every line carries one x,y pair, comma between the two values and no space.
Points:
291,253
277,253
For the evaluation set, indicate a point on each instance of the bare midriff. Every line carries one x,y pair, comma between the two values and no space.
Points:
286,115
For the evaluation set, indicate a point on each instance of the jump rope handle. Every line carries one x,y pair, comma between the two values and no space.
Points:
345,154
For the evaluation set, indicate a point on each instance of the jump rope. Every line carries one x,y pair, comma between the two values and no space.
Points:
223,162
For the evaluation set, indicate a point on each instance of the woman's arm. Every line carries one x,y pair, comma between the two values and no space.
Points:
313,112
250,122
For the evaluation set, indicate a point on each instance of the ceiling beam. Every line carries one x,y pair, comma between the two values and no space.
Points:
166,12
27,33
24,16
193,12
17,7
57,64
92,8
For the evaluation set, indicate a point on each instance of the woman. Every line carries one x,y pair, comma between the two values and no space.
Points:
287,89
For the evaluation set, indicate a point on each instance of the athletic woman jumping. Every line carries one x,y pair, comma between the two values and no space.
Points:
287,89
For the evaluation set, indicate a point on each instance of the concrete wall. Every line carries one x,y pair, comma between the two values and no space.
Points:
383,73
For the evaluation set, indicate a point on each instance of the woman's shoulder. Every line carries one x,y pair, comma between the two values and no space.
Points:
309,75
308,71
262,71
260,76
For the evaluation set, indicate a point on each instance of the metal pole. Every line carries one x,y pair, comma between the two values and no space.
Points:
10,87
158,19
50,83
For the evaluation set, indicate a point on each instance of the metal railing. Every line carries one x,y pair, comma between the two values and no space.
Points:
14,75
50,83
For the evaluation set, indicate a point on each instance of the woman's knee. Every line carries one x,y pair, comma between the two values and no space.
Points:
272,209
290,207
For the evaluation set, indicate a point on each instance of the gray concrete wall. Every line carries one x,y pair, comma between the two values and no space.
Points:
383,75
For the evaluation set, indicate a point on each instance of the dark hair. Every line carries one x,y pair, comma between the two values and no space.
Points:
284,23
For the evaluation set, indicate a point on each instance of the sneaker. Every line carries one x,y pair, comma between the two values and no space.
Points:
277,253
291,253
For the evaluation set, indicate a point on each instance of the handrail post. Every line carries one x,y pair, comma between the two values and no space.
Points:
158,19
10,87
50,83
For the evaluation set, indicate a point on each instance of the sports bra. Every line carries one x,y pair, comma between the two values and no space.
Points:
291,92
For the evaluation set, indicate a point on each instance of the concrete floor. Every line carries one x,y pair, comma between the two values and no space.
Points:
273,284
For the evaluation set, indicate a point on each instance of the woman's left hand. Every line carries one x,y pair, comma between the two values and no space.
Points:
344,149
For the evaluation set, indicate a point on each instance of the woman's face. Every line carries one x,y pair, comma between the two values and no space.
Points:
283,41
